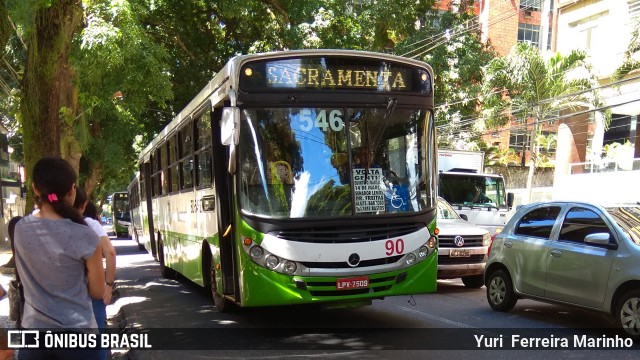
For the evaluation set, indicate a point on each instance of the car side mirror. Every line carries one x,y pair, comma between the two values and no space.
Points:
600,239
464,217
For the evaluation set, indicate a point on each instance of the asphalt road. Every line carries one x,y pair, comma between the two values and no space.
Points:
181,322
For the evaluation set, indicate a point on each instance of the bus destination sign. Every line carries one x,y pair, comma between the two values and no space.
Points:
327,73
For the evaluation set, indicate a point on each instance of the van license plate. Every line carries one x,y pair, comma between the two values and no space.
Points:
352,283
459,253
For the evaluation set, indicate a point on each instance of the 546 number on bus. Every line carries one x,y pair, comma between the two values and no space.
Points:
322,121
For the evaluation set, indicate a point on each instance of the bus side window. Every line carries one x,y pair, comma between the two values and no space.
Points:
186,160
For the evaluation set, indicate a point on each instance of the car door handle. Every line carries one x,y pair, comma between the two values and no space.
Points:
556,253
508,244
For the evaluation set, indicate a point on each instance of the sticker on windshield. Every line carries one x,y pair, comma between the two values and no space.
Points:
368,192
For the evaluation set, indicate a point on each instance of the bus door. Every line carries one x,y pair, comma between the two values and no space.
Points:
223,186
146,168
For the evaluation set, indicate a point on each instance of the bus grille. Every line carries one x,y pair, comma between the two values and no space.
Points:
353,234
469,241
345,265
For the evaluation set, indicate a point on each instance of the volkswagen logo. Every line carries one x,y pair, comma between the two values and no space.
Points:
354,260
459,241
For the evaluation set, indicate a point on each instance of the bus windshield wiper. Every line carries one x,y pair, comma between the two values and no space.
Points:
391,106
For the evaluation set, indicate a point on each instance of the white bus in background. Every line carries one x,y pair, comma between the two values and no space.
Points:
460,173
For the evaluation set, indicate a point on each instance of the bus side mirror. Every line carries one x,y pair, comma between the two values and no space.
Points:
230,126
510,198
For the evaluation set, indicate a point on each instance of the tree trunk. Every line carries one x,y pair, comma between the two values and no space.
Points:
94,177
533,153
5,27
49,92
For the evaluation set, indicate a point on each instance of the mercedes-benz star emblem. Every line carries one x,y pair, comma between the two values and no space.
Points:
459,241
354,260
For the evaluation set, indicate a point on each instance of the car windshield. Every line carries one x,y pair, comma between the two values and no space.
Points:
445,211
473,190
327,162
628,218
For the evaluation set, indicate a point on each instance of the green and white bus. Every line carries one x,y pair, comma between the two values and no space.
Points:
298,177
120,213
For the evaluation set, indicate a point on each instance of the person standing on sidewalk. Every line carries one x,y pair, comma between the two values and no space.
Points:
59,261
83,205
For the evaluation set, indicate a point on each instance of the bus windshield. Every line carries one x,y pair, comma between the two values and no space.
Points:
324,162
120,207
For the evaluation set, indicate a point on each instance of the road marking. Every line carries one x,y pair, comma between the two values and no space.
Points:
446,321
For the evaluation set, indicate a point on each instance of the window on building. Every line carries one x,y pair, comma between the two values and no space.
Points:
518,141
585,30
619,129
535,5
634,8
529,33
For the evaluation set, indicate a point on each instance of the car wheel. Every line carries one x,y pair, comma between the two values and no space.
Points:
500,291
473,282
628,313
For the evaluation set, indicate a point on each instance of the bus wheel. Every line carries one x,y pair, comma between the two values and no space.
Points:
140,246
221,303
166,272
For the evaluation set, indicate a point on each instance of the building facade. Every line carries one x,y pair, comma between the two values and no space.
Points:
603,28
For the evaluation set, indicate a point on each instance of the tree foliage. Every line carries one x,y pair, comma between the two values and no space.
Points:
450,42
630,61
123,73
126,67
526,85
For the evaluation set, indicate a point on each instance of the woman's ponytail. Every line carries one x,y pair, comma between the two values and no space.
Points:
55,178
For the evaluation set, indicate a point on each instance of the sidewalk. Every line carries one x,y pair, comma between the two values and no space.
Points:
6,275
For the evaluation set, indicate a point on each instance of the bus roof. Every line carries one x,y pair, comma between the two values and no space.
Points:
217,90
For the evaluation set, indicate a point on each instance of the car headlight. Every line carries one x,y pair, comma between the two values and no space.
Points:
486,239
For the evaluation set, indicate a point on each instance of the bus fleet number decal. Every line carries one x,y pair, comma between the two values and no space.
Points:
322,121
392,247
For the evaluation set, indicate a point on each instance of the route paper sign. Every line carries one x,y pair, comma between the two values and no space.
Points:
368,191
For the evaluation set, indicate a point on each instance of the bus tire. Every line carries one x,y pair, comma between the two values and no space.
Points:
206,266
221,303
165,271
140,245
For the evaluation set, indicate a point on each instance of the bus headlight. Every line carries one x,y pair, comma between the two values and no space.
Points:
255,252
289,267
423,251
271,261
411,258
432,242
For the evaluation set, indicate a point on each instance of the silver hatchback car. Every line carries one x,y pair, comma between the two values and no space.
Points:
571,253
